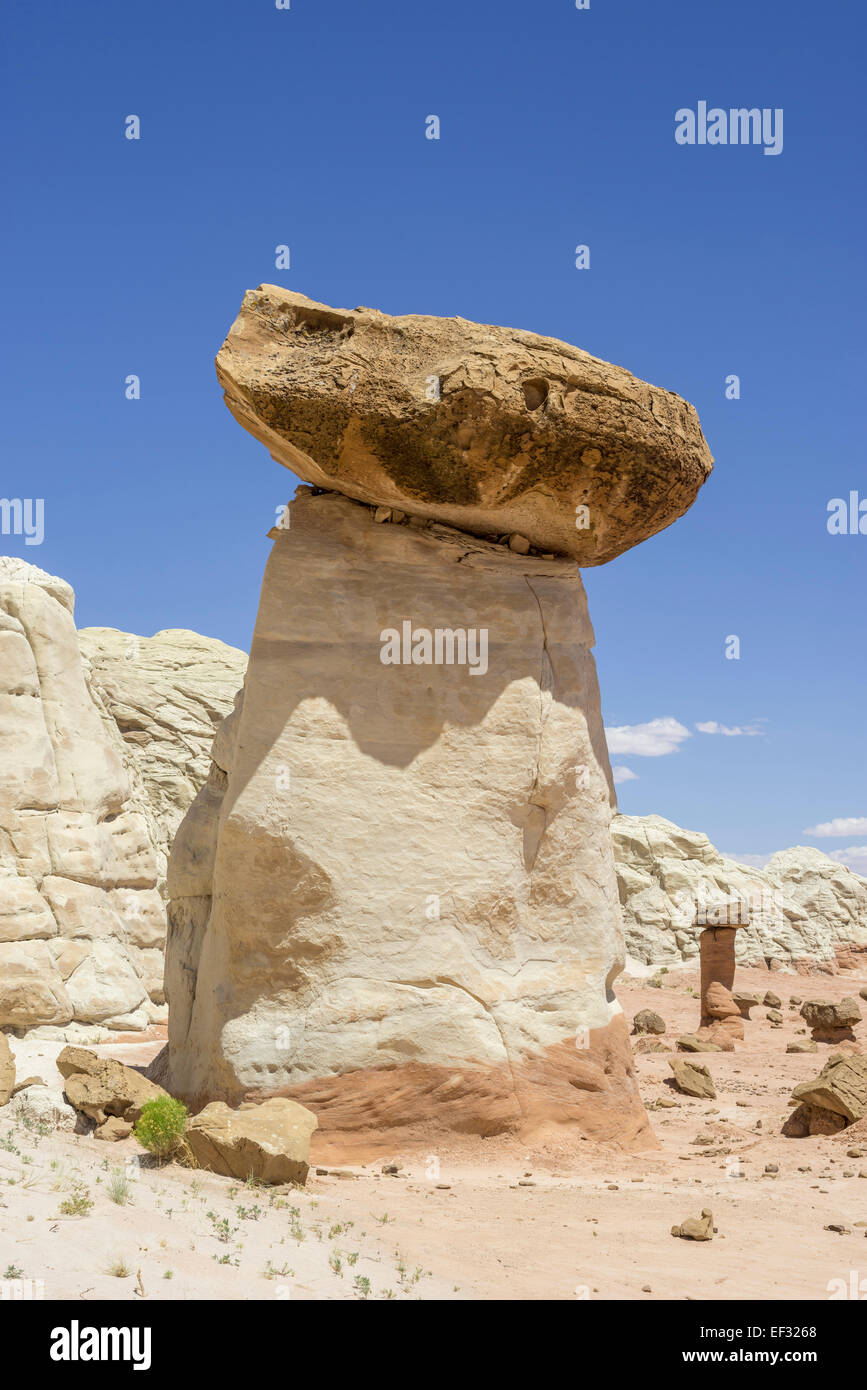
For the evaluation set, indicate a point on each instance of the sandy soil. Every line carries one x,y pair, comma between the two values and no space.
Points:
490,1219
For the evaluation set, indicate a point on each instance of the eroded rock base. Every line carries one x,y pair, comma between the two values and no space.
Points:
395,897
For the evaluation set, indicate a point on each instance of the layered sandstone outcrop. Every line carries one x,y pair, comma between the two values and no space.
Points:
82,838
167,696
394,899
803,910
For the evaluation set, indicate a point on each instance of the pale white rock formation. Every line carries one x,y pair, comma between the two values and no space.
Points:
394,898
805,911
69,833
830,895
86,815
167,695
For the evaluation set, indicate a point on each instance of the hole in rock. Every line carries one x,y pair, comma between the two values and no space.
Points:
535,393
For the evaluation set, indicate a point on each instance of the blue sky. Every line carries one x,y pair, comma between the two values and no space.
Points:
261,127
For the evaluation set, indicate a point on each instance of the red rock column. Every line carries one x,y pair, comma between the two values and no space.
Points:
717,946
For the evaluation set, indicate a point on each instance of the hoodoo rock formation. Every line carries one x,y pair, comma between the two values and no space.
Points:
394,899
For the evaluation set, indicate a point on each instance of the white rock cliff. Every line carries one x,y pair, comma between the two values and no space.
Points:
82,843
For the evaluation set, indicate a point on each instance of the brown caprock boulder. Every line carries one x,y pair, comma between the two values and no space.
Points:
493,430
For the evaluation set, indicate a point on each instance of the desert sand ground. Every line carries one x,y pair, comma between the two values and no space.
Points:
487,1220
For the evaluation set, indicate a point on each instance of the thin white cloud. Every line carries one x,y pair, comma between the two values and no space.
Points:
842,825
854,858
710,726
624,774
652,740
752,861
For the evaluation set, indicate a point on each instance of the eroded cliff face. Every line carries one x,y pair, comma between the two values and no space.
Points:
79,905
394,898
89,796
167,696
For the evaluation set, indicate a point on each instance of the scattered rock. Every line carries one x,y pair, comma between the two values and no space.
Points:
831,1022
803,1045
114,1129
774,1016
745,1001
837,1097
696,1228
270,1142
100,1088
690,1043
645,1044
692,1079
772,1001
646,1021
519,544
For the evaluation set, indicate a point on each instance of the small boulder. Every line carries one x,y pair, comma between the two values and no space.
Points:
692,1078
746,1001
803,1045
690,1042
114,1129
811,1119
831,1022
645,1044
772,1001
270,1142
101,1088
840,1087
646,1021
774,1017
696,1228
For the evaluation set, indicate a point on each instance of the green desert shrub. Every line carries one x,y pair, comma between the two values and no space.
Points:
161,1126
